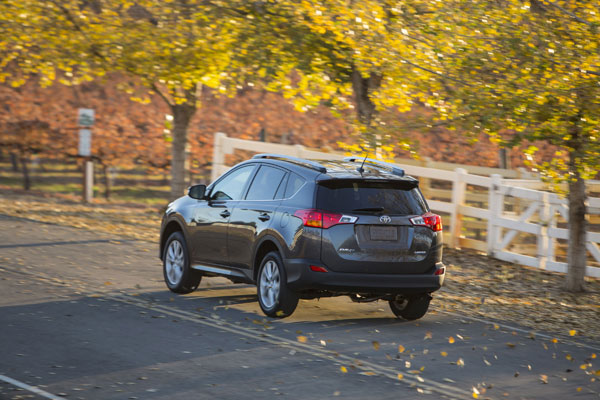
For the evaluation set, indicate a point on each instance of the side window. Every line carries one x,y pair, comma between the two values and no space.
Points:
294,183
230,187
265,183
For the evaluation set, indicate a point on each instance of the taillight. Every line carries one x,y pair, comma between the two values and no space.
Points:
430,220
322,219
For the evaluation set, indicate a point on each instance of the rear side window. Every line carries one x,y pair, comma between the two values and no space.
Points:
295,182
265,184
395,198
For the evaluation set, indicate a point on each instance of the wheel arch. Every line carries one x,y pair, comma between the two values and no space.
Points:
171,227
265,246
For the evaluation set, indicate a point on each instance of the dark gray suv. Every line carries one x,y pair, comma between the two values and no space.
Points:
302,229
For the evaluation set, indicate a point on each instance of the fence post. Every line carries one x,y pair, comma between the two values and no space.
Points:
425,183
458,199
543,240
495,207
554,201
299,149
218,155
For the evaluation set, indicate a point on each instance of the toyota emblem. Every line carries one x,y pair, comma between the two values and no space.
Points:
385,219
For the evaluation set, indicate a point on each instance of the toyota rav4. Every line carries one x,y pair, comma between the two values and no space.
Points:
302,229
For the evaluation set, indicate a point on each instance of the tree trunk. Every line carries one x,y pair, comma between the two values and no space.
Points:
182,115
362,88
576,253
26,177
15,162
504,159
107,182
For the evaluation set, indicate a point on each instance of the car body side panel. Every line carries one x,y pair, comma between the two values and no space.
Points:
208,231
248,221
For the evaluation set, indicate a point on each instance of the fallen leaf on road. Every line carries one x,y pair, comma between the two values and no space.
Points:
400,376
460,362
375,345
443,353
428,335
544,379
401,348
450,340
572,332
511,345
302,339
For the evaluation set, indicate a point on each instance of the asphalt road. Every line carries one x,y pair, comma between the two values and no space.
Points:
87,316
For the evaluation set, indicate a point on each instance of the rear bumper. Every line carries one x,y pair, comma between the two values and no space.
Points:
300,278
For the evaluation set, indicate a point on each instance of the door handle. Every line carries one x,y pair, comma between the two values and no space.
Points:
264,217
225,214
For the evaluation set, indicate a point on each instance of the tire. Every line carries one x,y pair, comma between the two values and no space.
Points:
274,297
411,308
179,277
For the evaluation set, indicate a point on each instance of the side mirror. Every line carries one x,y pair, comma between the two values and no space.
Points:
197,192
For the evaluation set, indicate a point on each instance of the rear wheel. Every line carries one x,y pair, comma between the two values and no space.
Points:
179,277
274,297
410,308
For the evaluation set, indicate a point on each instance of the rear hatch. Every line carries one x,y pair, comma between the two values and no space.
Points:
380,237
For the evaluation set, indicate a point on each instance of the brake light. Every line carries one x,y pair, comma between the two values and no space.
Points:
321,219
430,220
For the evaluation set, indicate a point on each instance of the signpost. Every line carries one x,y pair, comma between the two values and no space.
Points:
85,119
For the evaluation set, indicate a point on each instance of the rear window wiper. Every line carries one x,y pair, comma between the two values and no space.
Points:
374,209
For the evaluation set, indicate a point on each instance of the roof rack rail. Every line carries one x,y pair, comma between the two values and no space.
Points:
395,170
311,164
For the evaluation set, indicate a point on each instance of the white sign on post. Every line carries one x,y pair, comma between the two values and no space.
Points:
85,142
85,117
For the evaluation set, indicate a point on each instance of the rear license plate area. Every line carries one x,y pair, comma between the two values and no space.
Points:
383,233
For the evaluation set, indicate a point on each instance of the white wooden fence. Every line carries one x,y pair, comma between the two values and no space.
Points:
520,224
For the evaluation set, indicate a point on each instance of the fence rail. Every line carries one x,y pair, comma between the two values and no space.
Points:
504,215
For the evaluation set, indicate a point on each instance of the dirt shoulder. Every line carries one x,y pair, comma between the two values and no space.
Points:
476,285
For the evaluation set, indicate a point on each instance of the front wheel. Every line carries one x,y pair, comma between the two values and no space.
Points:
410,308
179,277
274,297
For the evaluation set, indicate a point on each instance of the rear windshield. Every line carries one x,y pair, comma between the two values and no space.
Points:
396,198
